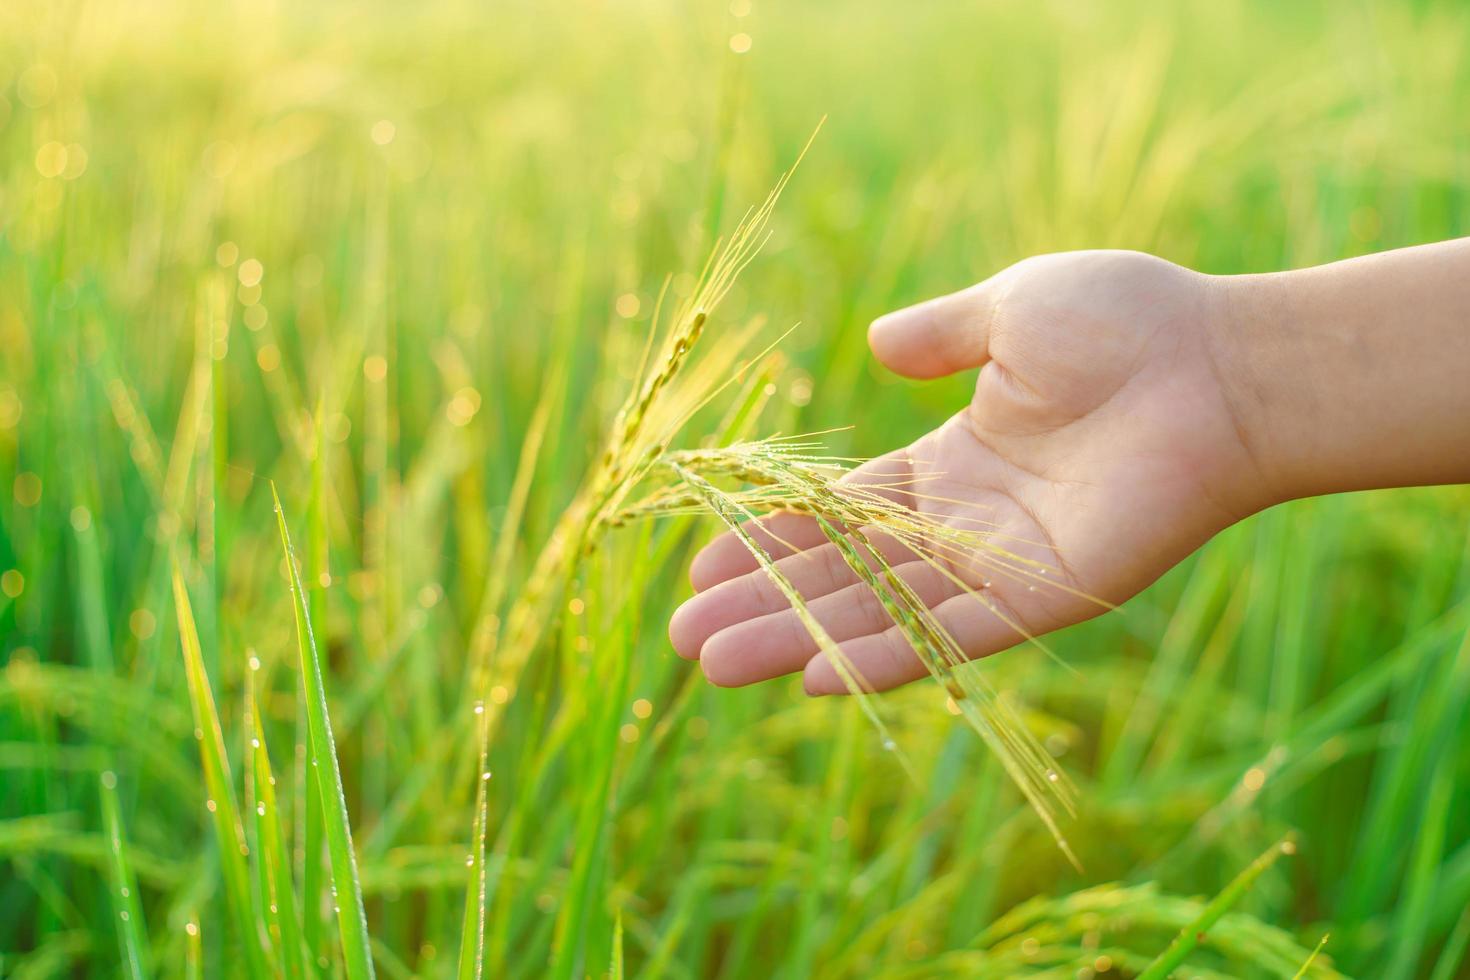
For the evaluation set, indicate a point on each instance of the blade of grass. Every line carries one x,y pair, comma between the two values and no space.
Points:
132,933
472,942
223,809
1195,932
274,858
311,829
1411,923
1454,950
193,949
1313,958
351,916
615,968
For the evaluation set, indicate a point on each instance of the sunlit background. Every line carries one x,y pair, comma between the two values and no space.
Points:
228,229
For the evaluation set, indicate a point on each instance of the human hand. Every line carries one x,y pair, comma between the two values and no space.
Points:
1099,444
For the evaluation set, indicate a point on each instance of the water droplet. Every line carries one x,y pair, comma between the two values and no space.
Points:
985,584
209,805
469,862
255,743
199,733
485,775
479,707
124,891
260,809
1030,588
124,914
1052,775
889,745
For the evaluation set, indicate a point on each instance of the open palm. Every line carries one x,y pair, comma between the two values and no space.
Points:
1099,446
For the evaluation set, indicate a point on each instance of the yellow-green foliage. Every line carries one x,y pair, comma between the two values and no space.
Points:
406,261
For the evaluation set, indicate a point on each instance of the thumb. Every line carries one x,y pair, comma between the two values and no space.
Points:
942,335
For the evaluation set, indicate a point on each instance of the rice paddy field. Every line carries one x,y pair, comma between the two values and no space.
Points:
399,265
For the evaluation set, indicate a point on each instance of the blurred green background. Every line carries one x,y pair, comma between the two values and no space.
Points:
216,219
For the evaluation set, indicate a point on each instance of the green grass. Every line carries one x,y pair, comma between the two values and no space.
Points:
403,263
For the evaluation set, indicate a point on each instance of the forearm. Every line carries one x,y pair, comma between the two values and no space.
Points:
1353,375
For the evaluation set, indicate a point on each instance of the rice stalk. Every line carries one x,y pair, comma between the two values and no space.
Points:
132,932
223,810
193,948
791,474
472,942
273,858
1196,931
351,916
733,516
673,389
1307,963
615,966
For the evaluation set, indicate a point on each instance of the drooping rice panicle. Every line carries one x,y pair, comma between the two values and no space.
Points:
671,389
792,474
734,518
1022,756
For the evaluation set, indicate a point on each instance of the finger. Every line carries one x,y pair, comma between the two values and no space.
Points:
981,623
780,535
942,335
779,642
814,573
727,557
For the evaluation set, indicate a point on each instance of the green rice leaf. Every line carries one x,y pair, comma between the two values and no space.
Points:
132,933
322,753
274,859
1197,931
221,802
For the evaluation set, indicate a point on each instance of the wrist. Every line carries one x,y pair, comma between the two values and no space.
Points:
1350,376
1264,381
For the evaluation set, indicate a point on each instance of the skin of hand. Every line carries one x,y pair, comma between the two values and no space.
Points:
1126,410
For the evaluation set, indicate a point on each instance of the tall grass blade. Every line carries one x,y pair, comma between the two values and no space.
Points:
274,857
132,933
322,752
223,810
615,968
193,948
313,877
1453,953
472,941
1195,932
1307,964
